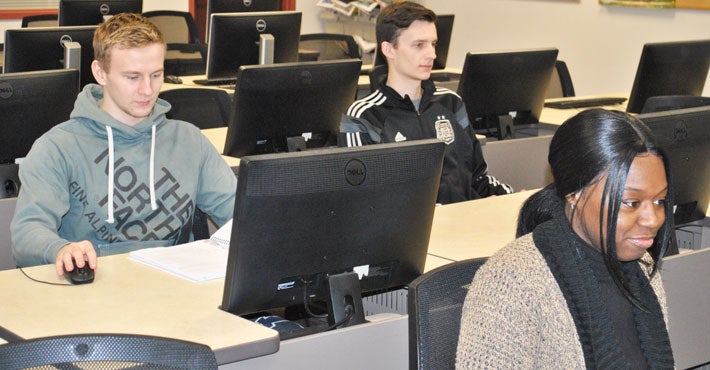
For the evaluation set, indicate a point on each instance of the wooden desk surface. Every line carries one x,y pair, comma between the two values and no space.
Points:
556,117
129,297
476,228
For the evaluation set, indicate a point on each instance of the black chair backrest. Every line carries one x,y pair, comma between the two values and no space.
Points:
106,351
565,78
205,108
672,102
40,20
331,46
9,180
434,303
377,74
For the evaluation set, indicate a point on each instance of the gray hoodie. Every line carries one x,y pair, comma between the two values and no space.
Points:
156,172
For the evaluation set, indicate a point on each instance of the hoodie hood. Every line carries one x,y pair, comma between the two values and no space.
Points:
87,109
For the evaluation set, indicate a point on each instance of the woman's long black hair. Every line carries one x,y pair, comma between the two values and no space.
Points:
587,146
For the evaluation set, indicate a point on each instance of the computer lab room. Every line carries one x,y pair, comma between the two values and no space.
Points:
339,254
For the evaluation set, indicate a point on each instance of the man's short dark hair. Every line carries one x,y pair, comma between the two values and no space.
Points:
397,17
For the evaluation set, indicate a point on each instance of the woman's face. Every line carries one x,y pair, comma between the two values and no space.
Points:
641,213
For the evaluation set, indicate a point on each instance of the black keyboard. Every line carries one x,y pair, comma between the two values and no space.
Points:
216,81
585,102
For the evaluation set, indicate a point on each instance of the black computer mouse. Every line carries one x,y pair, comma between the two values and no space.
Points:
80,275
172,79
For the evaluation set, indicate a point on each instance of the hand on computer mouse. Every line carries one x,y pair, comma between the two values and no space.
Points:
82,252
80,275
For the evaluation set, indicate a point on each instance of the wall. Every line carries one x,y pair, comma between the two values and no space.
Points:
601,44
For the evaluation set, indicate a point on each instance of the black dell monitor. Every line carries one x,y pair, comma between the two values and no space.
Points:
32,103
444,29
43,48
504,89
684,135
94,12
239,6
290,106
670,68
235,40
306,223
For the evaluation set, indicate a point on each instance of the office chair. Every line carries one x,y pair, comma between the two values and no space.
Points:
672,102
561,82
328,46
434,304
183,37
204,108
40,20
377,74
7,210
106,351
9,180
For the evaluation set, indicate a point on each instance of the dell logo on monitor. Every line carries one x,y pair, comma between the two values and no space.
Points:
261,25
104,9
355,172
247,2
680,131
6,90
306,78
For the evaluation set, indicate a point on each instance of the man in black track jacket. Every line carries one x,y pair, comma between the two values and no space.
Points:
407,106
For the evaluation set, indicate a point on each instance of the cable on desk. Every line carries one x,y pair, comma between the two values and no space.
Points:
42,281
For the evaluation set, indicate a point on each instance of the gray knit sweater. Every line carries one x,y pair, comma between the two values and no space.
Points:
515,315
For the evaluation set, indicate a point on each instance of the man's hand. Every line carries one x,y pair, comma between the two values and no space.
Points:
82,252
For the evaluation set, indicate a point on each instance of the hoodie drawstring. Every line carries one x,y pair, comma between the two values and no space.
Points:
153,203
109,133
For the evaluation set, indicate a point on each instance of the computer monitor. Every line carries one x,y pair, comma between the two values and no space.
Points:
684,135
505,88
274,106
239,6
303,222
94,12
444,28
43,48
32,103
235,40
670,68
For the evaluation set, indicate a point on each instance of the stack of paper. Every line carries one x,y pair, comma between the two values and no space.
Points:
196,261
348,7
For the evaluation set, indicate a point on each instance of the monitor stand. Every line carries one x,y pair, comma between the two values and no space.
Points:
296,143
506,130
345,301
266,49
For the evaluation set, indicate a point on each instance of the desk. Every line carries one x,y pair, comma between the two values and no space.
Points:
217,136
552,117
129,297
476,228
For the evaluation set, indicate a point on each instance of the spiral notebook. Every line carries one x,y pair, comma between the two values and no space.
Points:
200,260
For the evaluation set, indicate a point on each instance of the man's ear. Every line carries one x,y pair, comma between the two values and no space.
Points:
99,72
387,49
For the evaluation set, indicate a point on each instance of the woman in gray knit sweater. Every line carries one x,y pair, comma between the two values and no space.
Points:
580,286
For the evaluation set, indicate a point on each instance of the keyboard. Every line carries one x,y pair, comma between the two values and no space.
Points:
216,81
585,102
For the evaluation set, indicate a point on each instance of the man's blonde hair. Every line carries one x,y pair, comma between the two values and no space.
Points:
124,31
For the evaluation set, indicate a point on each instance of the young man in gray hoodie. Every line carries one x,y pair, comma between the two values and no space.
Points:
118,176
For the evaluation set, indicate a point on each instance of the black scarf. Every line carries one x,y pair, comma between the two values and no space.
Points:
561,248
